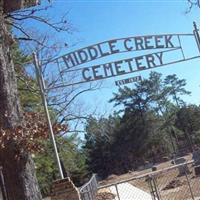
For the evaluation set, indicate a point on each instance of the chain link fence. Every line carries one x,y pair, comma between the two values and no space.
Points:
3,193
179,182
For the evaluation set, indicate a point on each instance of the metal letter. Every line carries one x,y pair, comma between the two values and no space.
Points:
82,53
138,63
139,43
103,54
83,74
150,60
95,71
160,56
93,55
112,45
118,67
196,34
68,58
168,43
157,41
126,46
129,63
106,67
147,41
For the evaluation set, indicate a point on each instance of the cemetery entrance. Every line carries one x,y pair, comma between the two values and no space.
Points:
74,69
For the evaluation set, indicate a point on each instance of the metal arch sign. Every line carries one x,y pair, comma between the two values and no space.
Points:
116,46
164,46
165,43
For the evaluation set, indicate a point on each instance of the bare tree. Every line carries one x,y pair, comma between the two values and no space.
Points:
193,3
64,100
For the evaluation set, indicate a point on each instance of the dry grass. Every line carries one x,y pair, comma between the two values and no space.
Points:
105,194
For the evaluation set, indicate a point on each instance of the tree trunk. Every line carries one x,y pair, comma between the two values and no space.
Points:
19,172
12,5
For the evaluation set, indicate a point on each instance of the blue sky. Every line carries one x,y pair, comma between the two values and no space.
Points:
97,21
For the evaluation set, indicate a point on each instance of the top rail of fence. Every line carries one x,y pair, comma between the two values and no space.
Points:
161,171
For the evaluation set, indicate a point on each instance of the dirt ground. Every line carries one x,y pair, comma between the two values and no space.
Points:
105,194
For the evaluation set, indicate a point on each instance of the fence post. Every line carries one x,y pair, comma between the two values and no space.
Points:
153,188
189,185
2,185
95,184
92,192
117,192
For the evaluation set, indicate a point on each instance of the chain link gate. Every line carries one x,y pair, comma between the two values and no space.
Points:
89,190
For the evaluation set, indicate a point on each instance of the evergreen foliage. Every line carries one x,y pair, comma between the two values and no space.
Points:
154,123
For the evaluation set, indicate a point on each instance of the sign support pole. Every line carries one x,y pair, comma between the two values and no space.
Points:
44,101
196,34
